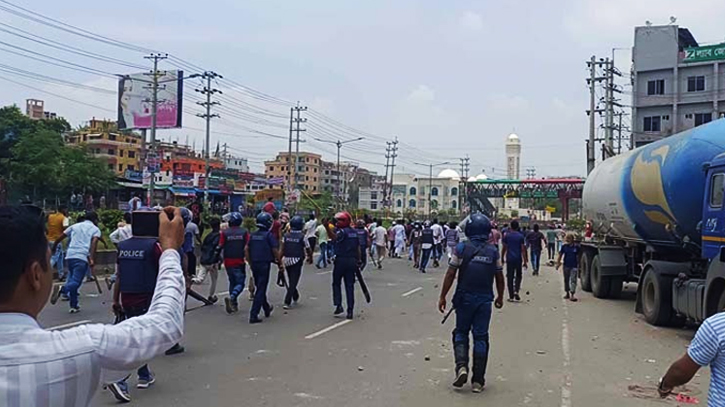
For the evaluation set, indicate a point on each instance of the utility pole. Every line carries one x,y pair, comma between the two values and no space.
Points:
430,182
297,120
224,153
339,144
209,92
289,151
394,153
610,102
387,166
591,81
155,75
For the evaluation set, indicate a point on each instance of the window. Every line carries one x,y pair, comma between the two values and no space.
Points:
131,168
120,167
110,167
314,188
131,154
434,191
454,204
656,87
411,203
374,195
652,123
702,118
716,190
696,83
373,205
307,178
112,137
271,168
412,191
434,204
111,151
399,203
314,179
454,192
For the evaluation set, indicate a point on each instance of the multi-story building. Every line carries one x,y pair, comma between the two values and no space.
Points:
35,109
236,163
329,179
308,171
424,194
372,197
676,83
120,150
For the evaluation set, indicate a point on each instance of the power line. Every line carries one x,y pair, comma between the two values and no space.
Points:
57,95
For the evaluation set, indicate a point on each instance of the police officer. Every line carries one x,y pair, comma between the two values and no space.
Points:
293,251
233,241
364,242
138,267
347,260
262,251
427,245
477,263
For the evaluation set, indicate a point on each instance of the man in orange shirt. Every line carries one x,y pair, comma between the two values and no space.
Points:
57,223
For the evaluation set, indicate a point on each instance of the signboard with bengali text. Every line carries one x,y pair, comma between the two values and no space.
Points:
706,53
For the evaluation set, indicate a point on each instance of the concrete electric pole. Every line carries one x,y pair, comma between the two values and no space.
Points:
151,159
209,92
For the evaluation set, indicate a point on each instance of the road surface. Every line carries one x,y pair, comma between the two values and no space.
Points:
544,351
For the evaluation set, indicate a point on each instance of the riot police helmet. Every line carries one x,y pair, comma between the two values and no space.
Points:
235,219
264,221
296,223
343,220
478,226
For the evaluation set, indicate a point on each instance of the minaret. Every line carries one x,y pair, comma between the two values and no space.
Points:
513,156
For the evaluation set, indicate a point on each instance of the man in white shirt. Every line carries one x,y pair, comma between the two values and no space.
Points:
65,368
310,229
437,242
84,237
380,238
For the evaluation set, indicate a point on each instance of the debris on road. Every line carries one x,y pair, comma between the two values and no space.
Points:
541,352
650,361
360,368
427,358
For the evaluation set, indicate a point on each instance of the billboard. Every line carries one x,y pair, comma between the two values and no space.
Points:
135,96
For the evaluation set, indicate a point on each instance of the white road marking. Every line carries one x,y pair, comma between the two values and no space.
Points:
413,291
328,329
566,385
223,293
68,325
324,272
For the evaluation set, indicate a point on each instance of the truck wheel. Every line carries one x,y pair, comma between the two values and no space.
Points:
615,287
585,271
657,299
600,285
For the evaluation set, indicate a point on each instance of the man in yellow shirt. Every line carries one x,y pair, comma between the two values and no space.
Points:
58,221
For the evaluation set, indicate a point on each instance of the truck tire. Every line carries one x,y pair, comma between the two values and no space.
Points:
615,287
585,263
657,298
600,285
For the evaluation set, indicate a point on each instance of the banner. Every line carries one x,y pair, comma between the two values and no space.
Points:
135,95
706,53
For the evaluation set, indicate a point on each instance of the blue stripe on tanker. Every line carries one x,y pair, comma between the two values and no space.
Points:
664,182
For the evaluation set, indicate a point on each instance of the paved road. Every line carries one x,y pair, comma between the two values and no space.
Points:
545,352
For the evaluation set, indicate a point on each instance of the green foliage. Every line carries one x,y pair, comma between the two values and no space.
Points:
109,219
250,224
320,204
575,224
514,214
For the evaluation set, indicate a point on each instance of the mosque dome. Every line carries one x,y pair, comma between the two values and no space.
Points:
472,179
481,177
449,173
513,138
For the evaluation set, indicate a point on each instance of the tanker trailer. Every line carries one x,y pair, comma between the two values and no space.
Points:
659,221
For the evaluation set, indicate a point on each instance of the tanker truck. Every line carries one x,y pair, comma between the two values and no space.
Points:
659,221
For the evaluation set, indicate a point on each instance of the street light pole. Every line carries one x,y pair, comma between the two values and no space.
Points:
430,182
339,144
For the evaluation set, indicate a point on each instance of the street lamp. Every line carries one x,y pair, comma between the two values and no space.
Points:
339,144
430,180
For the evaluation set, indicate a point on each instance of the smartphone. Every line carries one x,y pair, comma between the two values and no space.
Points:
145,224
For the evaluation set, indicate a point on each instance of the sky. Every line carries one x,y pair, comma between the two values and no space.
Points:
449,79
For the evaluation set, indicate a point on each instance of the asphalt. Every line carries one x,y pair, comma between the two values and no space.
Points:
545,351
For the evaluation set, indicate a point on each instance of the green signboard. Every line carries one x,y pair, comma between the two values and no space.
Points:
706,53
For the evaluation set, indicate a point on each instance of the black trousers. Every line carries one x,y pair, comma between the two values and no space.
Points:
551,250
344,269
260,271
191,263
294,272
514,275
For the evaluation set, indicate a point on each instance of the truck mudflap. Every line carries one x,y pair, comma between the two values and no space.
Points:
688,296
612,262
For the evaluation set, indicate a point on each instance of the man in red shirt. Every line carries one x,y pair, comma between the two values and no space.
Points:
233,241
269,207
276,229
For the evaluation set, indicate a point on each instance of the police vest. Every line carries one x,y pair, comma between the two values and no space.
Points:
478,269
427,236
260,248
363,235
347,244
234,242
137,265
294,246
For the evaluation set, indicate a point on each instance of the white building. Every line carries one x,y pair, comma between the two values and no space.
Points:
236,163
513,156
421,194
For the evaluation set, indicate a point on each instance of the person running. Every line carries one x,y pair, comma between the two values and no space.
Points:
84,237
399,230
233,242
262,251
191,234
391,242
323,241
347,261
210,259
438,237
452,238
293,252
427,245
477,265
380,236
495,236
569,251
536,241
58,222
310,229
515,256
551,243
364,243
415,242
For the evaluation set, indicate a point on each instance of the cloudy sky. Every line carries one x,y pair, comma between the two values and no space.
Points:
448,78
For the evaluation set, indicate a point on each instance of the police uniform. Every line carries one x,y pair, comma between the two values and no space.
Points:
138,268
261,244
363,235
233,242
427,243
477,265
294,258
347,246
